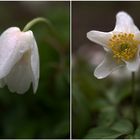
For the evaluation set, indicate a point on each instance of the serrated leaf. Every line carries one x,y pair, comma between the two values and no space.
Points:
107,116
102,132
124,126
117,94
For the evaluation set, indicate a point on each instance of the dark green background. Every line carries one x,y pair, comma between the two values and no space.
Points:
46,113
101,108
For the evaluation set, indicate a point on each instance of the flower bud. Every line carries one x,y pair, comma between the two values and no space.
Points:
19,60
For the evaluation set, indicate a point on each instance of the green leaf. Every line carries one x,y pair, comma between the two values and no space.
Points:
117,94
124,126
137,133
103,132
107,116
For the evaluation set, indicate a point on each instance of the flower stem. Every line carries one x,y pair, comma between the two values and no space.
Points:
134,100
41,19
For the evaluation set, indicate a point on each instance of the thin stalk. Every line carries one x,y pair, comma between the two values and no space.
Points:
134,100
46,21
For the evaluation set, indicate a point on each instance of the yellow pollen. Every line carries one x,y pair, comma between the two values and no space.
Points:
123,46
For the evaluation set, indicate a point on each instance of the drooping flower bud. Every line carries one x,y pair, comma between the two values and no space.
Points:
19,60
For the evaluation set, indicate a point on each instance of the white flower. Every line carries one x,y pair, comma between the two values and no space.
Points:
121,45
19,60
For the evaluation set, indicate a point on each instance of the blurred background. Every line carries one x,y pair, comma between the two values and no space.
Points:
101,108
46,113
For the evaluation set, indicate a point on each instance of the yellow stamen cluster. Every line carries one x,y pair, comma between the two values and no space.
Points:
123,46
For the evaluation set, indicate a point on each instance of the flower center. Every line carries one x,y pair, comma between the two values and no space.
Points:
123,46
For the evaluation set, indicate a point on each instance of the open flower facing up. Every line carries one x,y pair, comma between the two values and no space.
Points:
19,60
122,46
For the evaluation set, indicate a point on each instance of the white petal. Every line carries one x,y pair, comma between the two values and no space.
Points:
35,64
20,77
98,37
107,66
13,43
133,65
137,36
124,23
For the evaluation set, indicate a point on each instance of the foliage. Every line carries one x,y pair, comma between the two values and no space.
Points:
105,109
46,113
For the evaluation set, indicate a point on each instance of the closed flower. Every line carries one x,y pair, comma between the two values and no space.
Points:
19,60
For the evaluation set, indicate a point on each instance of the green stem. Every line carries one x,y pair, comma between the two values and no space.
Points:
55,40
134,100
41,19
34,21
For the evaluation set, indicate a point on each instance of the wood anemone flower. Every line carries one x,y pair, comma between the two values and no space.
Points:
122,46
19,60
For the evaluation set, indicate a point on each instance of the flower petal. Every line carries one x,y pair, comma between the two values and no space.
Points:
35,64
133,65
137,36
13,43
98,37
106,67
124,23
20,77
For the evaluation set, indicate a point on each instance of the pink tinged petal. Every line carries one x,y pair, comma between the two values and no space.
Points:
100,38
137,37
20,77
15,70
13,44
107,66
133,65
35,64
124,23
